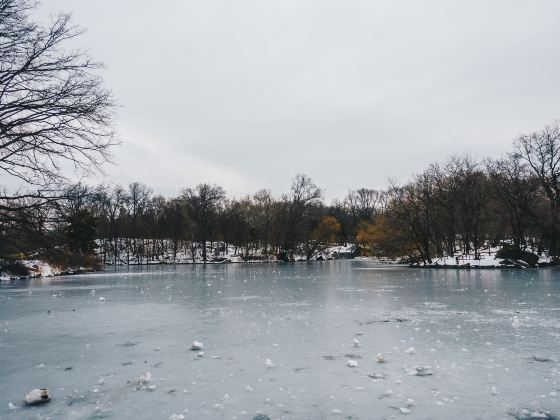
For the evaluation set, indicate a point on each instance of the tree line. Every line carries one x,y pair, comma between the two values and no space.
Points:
462,205
132,224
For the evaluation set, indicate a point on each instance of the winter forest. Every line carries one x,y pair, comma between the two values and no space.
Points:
461,205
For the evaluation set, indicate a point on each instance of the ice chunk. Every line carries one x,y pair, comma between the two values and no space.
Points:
197,345
37,396
145,379
352,363
380,358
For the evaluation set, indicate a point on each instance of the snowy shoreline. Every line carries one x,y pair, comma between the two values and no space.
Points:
8,277
479,267
486,260
41,269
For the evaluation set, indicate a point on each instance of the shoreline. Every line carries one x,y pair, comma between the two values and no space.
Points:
8,278
107,267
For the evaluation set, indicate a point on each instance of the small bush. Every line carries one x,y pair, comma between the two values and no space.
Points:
14,268
64,259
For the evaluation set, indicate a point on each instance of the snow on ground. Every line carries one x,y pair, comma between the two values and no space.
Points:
41,268
487,259
221,252
38,268
217,252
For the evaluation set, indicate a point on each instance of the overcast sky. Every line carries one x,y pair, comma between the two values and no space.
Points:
248,93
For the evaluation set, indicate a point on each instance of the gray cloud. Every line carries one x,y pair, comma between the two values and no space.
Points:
248,93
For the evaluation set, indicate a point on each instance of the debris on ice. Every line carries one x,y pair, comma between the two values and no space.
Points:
145,379
37,396
197,345
352,363
419,371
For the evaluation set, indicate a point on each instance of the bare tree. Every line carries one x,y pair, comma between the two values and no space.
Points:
304,195
204,202
361,206
138,199
471,198
541,151
362,203
408,210
53,106
515,192
264,206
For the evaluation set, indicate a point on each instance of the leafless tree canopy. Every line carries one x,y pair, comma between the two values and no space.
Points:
204,203
53,106
363,202
541,151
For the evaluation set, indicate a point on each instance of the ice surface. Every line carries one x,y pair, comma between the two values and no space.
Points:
470,361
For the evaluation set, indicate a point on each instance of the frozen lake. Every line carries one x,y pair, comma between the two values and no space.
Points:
488,343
